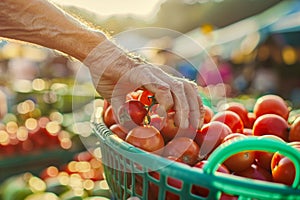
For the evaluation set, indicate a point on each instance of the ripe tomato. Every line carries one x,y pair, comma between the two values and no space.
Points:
156,121
294,134
263,158
146,97
228,197
222,168
211,135
239,161
271,124
109,117
239,109
255,172
231,119
183,148
131,114
119,131
84,156
271,104
283,169
169,129
105,106
147,138
208,114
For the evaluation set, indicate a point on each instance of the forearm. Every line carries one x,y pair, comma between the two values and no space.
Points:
42,23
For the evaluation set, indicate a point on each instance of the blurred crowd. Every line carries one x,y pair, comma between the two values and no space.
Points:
216,75
267,71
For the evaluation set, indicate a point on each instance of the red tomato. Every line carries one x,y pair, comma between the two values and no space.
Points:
283,169
119,131
231,119
255,172
271,104
222,168
295,130
271,124
83,156
239,161
208,114
157,121
228,197
146,97
174,159
239,109
211,136
263,158
131,114
183,148
105,106
169,129
109,117
202,191
147,138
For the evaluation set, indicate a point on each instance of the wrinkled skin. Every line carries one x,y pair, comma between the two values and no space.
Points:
112,69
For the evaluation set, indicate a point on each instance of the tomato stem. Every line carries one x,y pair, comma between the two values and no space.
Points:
153,102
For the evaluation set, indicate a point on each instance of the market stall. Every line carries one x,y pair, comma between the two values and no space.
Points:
61,140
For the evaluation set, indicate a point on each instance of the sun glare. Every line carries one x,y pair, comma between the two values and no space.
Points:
141,8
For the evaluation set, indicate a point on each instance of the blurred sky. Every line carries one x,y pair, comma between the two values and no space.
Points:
143,8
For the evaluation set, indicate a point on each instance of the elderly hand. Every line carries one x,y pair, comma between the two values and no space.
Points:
115,74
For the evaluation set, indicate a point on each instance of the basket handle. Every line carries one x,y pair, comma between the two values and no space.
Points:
253,143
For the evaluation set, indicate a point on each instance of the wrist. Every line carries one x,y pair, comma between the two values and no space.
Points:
86,41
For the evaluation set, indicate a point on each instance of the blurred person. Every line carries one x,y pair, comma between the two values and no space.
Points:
216,74
215,70
265,80
22,68
114,72
295,97
165,56
187,70
243,79
162,55
57,66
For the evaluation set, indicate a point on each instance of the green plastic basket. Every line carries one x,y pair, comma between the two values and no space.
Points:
129,171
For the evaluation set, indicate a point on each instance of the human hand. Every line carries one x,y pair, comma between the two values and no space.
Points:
115,73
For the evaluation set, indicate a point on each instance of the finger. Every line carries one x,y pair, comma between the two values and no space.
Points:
202,112
191,92
162,94
181,105
144,76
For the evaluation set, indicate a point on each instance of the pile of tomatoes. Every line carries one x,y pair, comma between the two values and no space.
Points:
35,135
139,123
